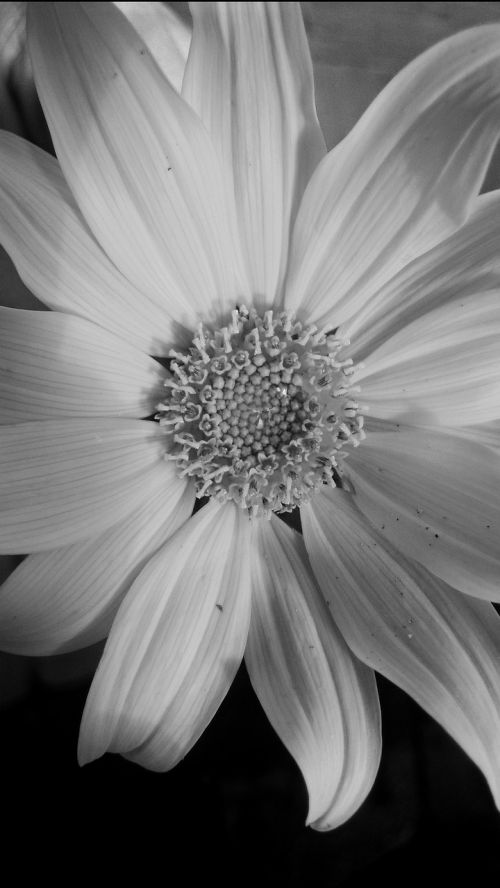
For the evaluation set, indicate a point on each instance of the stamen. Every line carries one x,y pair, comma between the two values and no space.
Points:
258,411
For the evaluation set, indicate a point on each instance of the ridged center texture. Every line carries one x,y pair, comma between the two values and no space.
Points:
258,412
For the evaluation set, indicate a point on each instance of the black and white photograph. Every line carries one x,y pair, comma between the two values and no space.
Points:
250,443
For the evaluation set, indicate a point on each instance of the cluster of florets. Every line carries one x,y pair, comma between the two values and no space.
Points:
258,411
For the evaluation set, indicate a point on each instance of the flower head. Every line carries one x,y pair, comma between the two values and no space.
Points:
241,317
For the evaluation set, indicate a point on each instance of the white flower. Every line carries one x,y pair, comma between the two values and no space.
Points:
216,216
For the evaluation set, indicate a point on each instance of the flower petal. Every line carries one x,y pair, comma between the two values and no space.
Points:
54,365
138,160
443,368
175,645
442,648
67,598
488,433
249,76
434,495
65,481
464,264
164,32
320,700
403,179
57,257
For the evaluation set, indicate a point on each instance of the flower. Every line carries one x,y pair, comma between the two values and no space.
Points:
240,315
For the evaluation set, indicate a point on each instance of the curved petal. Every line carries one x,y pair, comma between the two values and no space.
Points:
319,699
137,159
404,178
57,257
56,366
442,648
249,77
164,32
65,481
464,264
175,644
435,496
13,293
67,598
487,434
443,368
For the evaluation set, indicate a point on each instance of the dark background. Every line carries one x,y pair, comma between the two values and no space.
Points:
234,810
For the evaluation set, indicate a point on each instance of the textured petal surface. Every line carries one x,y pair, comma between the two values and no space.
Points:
443,368
488,433
175,645
67,598
464,264
435,495
137,158
249,76
166,35
54,365
403,179
320,700
65,481
441,648
57,257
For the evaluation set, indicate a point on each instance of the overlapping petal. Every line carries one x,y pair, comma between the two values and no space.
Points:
175,645
440,647
442,368
488,433
166,34
69,480
249,76
462,265
405,177
434,495
137,158
67,598
58,259
321,701
55,365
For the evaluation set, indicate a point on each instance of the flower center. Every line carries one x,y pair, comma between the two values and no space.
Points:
258,412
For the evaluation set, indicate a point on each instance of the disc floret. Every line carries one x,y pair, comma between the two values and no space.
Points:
258,411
